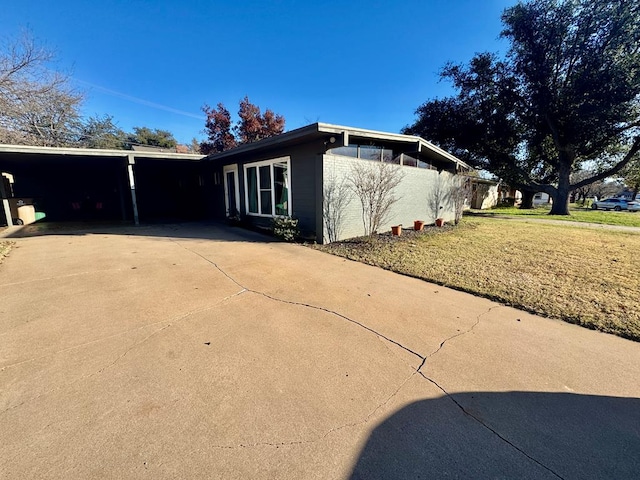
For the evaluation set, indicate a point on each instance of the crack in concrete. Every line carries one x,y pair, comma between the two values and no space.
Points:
464,410
58,277
84,377
175,319
302,304
489,428
328,432
459,334
417,371
100,370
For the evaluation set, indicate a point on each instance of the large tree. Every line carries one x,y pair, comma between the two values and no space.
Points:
152,137
252,126
218,126
37,105
101,132
631,176
567,93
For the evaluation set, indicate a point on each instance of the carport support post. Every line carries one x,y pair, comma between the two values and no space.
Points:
5,203
132,185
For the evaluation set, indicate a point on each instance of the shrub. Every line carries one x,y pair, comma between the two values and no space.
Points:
286,228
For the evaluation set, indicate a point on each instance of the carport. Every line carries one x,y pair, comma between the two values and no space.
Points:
70,184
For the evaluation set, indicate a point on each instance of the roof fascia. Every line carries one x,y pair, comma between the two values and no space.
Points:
95,152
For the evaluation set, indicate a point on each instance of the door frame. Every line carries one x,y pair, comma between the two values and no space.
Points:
231,169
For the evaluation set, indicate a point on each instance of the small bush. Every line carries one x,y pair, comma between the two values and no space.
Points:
286,228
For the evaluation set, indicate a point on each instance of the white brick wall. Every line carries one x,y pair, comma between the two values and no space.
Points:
414,193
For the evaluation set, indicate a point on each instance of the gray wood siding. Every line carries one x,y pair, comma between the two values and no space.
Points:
303,159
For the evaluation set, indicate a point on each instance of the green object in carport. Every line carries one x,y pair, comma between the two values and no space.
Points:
40,216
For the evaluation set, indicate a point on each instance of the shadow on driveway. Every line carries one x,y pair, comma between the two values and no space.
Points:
544,435
215,231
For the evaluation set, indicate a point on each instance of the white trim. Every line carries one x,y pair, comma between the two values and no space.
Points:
231,169
257,166
97,152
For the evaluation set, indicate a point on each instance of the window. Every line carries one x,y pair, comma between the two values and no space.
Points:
369,152
267,187
387,155
350,151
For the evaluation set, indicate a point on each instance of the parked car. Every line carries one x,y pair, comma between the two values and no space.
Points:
616,204
633,206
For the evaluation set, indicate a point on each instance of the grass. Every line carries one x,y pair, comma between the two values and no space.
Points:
583,276
5,247
577,214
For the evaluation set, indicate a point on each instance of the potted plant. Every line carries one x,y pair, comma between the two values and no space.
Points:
234,219
418,225
396,231
439,222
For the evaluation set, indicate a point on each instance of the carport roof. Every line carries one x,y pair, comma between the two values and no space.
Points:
29,150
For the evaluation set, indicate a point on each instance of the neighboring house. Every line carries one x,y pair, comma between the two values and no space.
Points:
288,175
627,194
512,196
541,198
484,193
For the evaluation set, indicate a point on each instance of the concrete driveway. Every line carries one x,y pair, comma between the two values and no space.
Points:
199,351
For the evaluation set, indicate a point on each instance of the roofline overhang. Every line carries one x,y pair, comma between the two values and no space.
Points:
319,128
96,152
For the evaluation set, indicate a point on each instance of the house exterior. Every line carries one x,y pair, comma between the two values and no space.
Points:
290,175
286,175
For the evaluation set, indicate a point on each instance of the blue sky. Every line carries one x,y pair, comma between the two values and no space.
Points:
155,63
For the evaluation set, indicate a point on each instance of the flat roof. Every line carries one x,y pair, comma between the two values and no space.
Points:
95,152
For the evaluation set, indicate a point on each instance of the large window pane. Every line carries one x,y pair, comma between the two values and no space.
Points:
281,186
388,157
265,202
350,151
409,161
252,189
370,153
265,177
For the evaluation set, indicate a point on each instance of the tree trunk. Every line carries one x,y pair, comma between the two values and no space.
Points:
527,200
563,192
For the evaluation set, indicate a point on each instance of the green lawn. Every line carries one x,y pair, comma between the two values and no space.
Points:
580,275
578,214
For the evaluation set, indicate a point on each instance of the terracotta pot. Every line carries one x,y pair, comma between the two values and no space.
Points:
418,225
439,222
397,231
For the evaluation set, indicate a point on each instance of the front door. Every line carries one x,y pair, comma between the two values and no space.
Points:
231,193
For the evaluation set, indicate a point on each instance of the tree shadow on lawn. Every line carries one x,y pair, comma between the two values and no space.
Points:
506,435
